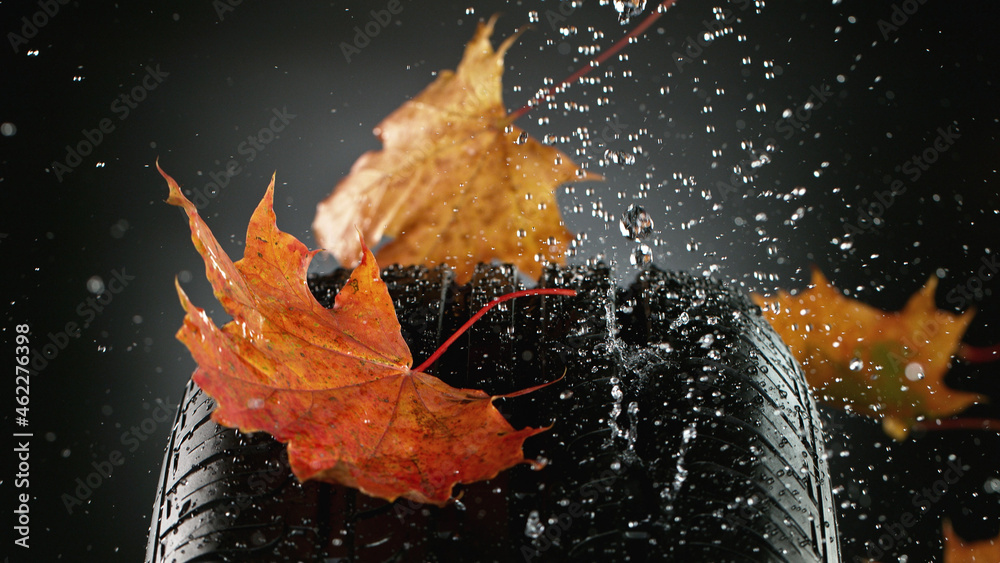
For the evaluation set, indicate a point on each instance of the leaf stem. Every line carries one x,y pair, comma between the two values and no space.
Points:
979,354
991,424
635,32
545,291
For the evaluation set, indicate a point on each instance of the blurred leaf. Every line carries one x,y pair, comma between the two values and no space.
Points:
957,550
456,183
885,365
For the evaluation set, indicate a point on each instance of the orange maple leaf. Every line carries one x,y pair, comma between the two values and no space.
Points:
889,366
957,550
335,384
456,183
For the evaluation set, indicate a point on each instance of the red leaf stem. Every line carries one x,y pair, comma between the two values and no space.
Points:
635,32
991,424
437,353
979,354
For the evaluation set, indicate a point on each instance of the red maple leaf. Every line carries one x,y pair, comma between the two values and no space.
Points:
335,384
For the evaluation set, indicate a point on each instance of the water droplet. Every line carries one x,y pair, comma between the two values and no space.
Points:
636,224
619,157
95,285
641,256
534,527
992,485
522,138
665,346
914,371
681,320
616,393
118,229
856,364
628,8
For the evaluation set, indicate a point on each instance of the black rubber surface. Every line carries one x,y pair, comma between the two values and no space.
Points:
683,431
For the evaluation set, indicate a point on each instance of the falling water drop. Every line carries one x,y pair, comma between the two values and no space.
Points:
629,8
619,157
534,526
642,256
636,224
914,371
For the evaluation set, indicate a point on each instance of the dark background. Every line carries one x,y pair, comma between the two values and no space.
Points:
225,71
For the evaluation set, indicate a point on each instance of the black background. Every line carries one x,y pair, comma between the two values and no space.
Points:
226,71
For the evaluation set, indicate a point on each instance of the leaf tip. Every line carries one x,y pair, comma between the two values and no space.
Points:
176,196
490,23
365,251
817,278
897,429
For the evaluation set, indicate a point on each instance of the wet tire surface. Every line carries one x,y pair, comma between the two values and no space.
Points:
682,431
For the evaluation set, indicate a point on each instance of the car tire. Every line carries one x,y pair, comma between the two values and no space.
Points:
682,430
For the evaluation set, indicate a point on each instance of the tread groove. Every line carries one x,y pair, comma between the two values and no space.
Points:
754,433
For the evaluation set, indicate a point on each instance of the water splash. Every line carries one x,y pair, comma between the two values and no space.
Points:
681,473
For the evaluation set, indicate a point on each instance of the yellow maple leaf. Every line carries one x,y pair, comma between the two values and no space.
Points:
886,365
456,183
957,550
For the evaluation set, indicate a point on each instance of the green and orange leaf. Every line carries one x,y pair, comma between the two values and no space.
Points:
889,366
335,384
